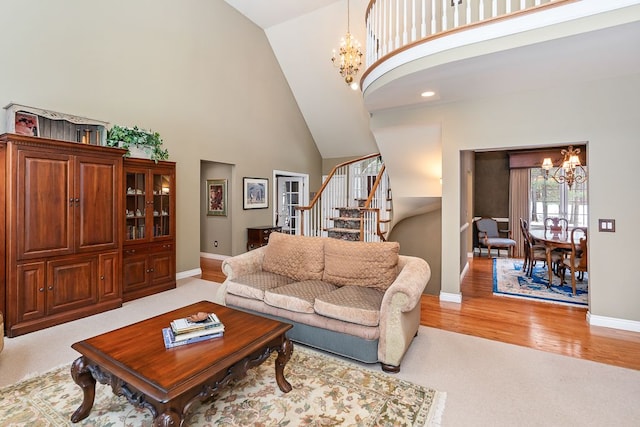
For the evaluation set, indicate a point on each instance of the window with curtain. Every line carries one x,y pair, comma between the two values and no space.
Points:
552,199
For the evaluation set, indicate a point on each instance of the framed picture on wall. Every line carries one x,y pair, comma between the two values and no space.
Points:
26,124
255,193
217,197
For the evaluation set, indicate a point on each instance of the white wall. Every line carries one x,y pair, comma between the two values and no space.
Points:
604,114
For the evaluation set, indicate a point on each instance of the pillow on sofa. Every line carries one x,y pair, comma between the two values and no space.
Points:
297,257
369,264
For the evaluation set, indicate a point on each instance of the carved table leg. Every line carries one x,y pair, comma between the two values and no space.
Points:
82,376
167,419
284,354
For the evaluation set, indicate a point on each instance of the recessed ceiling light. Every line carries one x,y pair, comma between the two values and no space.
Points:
427,94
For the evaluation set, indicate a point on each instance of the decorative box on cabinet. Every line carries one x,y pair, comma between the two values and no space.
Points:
63,231
259,236
149,258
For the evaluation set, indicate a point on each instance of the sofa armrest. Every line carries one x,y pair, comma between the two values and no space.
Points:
246,263
239,265
400,309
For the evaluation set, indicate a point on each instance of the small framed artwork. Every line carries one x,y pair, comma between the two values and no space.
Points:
255,193
217,197
26,123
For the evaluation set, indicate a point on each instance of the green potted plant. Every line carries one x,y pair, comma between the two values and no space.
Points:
143,143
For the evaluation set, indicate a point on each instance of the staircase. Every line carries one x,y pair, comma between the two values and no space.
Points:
354,203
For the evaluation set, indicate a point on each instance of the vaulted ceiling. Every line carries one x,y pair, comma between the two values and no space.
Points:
303,35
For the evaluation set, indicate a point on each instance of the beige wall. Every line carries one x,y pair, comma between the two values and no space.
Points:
195,71
604,113
421,236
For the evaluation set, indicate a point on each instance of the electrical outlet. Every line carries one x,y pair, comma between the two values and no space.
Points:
215,243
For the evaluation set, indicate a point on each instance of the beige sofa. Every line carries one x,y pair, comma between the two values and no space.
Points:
356,299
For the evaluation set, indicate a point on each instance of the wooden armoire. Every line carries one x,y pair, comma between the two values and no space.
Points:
63,231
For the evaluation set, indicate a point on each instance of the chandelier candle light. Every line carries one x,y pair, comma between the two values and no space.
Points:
573,170
349,57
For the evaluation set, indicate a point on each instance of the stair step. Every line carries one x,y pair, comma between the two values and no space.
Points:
344,230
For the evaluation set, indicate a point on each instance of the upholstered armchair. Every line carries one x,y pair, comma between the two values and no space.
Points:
489,237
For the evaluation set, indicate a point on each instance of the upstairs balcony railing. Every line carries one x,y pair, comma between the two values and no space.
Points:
392,25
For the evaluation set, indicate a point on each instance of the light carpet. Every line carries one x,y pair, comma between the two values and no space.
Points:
326,392
510,280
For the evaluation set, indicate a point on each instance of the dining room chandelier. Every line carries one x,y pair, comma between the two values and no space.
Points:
348,58
573,169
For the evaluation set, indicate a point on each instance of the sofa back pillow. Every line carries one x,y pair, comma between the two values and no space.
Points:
369,264
297,257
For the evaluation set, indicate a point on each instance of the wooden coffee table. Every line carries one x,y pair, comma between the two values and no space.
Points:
134,361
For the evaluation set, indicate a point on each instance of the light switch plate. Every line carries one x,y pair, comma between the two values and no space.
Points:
607,225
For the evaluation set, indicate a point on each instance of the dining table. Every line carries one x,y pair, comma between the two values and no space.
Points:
552,239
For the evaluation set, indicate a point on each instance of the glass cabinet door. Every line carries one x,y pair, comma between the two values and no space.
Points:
161,205
135,209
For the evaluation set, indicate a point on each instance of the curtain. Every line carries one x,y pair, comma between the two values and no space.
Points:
519,185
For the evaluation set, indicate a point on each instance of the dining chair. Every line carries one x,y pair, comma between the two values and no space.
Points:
556,224
524,229
533,252
489,236
576,262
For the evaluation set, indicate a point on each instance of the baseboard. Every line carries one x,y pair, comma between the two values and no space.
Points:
213,256
465,270
449,297
188,273
612,322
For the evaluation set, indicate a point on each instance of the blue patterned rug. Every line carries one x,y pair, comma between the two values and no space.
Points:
509,280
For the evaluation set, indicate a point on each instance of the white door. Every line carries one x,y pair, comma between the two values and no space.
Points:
290,194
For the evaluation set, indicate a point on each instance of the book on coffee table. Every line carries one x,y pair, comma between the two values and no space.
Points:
170,341
194,334
195,322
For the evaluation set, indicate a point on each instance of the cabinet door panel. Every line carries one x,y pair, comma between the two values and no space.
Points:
108,276
161,267
44,222
96,211
30,291
134,268
71,284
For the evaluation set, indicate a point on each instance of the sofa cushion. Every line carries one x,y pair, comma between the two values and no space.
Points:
298,257
253,285
370,264
355,304
298,296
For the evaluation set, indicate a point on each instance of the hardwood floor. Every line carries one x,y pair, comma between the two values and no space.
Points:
543,326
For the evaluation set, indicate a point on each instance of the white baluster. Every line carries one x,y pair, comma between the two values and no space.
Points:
414,29
508,6
397,39
538,2
494,8
390,28
456,16
405,35
384,29
423,25
444,15
481,11
369,41
468,21
523,4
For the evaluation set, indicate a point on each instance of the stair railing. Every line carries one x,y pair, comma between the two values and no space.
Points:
347,186
377,209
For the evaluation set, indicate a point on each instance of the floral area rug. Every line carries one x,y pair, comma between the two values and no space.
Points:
326,392
510,280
